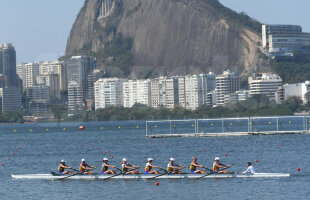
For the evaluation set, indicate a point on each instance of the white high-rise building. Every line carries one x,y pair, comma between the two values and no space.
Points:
31,72
193,92
226,83
55,67
265,84
75,97
165,92
109,92
137,91
21,72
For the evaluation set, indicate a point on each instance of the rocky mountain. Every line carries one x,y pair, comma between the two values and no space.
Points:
166,37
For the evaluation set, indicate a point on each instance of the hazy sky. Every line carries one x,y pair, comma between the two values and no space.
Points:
39,28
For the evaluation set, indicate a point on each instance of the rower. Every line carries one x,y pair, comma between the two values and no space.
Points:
173,168
217,166
149,165
194,165
85,168
250,169
105,166
62,166
126,166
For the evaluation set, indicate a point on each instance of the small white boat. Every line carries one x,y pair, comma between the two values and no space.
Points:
150,176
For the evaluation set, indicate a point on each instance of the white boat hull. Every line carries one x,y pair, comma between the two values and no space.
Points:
145,176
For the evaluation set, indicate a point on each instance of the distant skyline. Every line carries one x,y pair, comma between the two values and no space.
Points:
39,28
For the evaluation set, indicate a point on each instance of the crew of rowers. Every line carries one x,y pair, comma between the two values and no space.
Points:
172,167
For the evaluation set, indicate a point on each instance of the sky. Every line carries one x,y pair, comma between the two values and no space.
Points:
39,28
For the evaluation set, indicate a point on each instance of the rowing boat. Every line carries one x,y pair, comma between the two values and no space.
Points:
149,176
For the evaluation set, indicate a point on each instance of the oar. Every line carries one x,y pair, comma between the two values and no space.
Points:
212,173
166,172
117,174
69,176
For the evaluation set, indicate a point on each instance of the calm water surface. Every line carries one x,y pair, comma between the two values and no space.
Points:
43,145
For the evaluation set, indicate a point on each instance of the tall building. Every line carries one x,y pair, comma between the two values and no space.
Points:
265,84
21,72
94,76
55,67
282,40
137,91
193,92
78,69
38,99
50,80
165,92
109,92
8,55
11,99
31,73
226,83
75,97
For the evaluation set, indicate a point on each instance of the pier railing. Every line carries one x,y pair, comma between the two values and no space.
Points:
228,126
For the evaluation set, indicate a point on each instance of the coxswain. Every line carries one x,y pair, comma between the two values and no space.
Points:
149,165
250,169
105,167
62,167
217,166
173,168
85,168
194,165
126,166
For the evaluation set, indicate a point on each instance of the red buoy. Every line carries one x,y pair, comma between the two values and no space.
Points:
280,145
204,150
16,150
256,161
156,183
13,154
137,171
226,154
112,156
2,164
105,152
81,127
8,158
298,169
19,147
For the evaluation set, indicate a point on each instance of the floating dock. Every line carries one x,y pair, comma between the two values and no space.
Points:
228,127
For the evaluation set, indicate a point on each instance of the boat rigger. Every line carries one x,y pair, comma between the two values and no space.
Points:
149,176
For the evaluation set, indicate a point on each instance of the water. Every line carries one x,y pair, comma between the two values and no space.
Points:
42,149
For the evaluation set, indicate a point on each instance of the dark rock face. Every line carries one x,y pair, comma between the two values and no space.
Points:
171,37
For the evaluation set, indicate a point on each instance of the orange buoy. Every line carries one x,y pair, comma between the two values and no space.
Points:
81,127
156,183
298,169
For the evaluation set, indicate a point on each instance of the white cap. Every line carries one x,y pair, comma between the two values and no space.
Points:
171,159
105,159
124,159
149,159
83,160
62,161
216,158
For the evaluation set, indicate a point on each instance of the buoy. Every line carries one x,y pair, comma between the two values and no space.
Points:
156,183
2,164
47,129
19,147
256,161
13,154
204,150
30,130
119,127
81,127
171,144
186,147
298,169
280,145
226,154
137,171
8,158
112,156
16,150
137,126
14,130
105,152
64,129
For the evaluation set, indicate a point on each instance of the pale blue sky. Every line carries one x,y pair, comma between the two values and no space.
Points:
39,28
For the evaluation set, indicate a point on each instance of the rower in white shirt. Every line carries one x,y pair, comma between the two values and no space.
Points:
250,169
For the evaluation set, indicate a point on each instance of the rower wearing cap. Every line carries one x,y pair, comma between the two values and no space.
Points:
85,168
105,167
62,167
250,169
149,165
217,166
126,166
194,165
173,168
